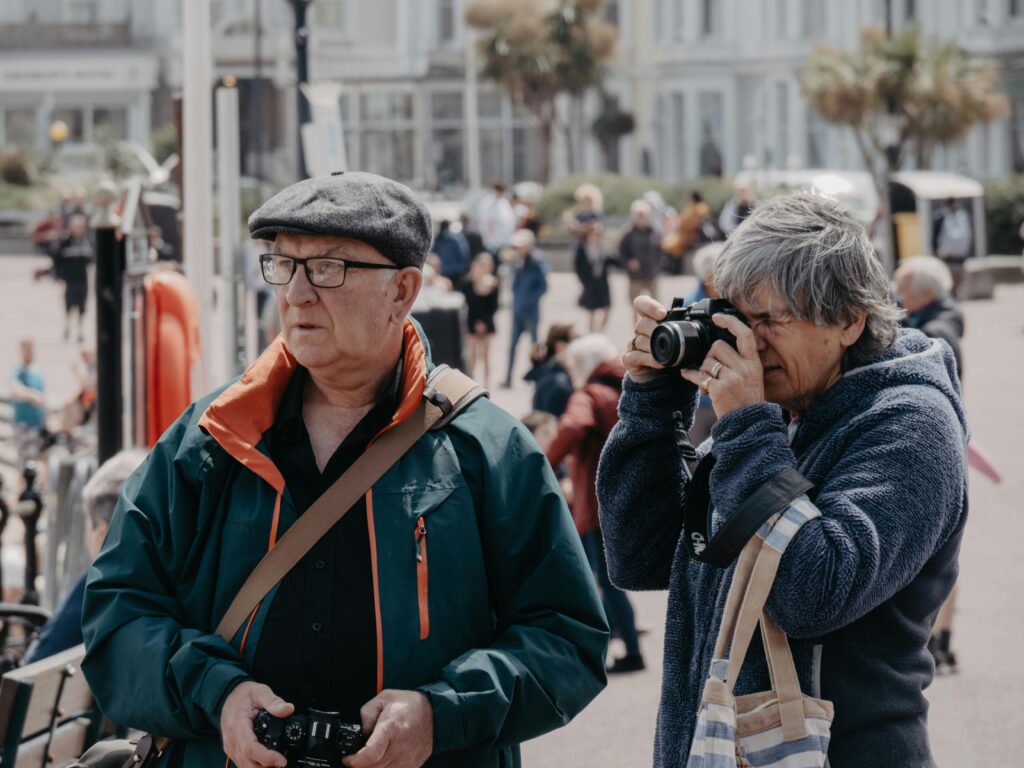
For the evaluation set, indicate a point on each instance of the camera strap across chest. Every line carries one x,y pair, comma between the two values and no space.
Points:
722,549
447,393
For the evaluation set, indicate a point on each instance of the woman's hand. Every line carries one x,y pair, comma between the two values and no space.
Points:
637,360
732,378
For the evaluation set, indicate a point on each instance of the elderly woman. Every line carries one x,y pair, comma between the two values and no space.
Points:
822,381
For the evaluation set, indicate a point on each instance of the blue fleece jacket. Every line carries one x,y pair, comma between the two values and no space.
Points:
858,588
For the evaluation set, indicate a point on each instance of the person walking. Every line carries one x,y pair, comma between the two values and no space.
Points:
552,385
529,284
481,290
640,252
497,219
74,258
953,237
592,262
27,387
589,417
453,250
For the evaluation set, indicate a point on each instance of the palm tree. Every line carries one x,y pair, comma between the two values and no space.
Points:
928,94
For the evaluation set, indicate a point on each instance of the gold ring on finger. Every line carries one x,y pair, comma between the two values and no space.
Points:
704,385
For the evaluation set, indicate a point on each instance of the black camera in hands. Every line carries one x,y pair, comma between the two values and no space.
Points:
683,338
315,740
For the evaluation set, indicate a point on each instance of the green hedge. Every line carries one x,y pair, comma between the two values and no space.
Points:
620,192
1004,212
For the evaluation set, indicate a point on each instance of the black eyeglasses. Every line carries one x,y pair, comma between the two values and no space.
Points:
321,271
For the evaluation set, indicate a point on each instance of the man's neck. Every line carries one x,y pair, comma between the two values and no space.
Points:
356,389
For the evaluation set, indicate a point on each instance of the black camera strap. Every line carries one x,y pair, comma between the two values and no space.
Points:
725,546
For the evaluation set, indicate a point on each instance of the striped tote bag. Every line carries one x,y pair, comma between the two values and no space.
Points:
779,728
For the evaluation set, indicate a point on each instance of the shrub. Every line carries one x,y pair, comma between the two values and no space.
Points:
15,169
1004,212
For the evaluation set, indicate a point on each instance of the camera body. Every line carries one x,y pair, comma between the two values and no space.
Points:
683,338
314,740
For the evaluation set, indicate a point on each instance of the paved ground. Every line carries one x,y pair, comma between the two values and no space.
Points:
975,716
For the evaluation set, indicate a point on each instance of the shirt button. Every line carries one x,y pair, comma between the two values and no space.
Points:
320,563
317,626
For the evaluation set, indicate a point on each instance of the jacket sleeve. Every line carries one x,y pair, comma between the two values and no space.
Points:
147,668
577,419
641,482
547,659
888,503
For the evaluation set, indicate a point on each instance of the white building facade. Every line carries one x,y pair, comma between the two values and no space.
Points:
712,84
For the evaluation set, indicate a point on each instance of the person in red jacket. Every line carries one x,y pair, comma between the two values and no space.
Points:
596,371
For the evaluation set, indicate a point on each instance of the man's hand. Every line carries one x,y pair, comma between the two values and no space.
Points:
401,728
240,708
637,360
732,378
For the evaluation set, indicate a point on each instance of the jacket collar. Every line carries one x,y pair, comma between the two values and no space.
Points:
242,413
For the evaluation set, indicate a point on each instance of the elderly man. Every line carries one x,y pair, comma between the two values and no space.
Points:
925,286
501,641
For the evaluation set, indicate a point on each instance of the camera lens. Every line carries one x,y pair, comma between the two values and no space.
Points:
667,344
680,343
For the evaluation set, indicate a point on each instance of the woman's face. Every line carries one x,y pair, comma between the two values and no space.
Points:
801,360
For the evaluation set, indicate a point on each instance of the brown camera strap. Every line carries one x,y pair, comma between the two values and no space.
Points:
448,391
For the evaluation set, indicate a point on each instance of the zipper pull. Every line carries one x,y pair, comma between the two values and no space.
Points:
421,534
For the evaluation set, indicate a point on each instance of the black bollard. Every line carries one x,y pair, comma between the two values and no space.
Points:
110,265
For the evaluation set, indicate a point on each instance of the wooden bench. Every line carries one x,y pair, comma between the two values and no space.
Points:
47,713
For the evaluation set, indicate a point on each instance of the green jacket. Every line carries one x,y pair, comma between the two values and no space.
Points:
499,623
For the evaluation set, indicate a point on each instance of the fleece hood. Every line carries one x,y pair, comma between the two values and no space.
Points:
912,360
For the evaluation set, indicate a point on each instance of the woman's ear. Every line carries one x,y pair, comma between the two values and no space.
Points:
853,329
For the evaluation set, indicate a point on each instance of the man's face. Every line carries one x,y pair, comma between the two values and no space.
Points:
28,352
911,299
326,327
800,359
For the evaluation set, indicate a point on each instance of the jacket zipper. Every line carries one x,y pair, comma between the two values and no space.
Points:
421,577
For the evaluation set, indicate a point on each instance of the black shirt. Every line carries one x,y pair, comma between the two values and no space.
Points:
319,644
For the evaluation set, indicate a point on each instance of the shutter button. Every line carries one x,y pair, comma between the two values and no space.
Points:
317,626
320,563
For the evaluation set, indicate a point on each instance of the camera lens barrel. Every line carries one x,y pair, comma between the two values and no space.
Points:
679,343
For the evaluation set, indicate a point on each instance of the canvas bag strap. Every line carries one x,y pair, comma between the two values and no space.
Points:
446,393
785,682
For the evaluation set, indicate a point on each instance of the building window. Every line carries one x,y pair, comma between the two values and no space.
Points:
110,123
817,140
658,19
782,19
611,12
678,19
712,127
447,140
909,11
676,129
330,13
387,134
74,118
445,21
19,126
814,19
711,17
526,146
1015,7
82,11
782,122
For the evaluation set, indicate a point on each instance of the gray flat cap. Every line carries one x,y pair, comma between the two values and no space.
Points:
363,206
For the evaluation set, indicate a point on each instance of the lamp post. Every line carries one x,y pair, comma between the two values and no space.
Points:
302,73
889,133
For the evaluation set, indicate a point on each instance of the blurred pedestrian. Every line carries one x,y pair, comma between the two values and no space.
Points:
497,219
924,285
74,257
481,291
529,284
453,251
736,210
551,382
953,237
79,408
593,262
596,370
63,629
693,228
588,211
472,235
47,236
27,387
640,252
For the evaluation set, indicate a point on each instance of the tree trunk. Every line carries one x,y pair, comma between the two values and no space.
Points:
546,131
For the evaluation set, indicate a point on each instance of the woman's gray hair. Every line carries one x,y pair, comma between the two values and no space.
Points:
584,354
818,258
99,496
704,261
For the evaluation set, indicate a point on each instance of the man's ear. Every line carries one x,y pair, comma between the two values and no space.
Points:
405,288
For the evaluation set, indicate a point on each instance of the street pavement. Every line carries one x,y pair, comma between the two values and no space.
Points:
975,718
